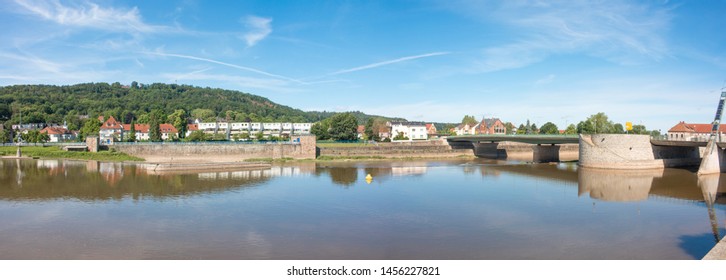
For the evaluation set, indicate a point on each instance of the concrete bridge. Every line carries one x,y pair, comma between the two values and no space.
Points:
545,148
605,151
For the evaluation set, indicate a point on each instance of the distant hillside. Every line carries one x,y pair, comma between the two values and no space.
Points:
54,104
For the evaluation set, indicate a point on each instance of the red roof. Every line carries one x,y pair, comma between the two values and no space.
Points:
361,128
192,127
428,125
111,123
55,131
142,128
696,127
167,128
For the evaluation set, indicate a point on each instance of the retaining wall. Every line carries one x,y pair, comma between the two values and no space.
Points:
210,152
422,149
623,151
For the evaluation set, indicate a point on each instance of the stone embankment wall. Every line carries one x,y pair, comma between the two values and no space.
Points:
622,151
210,152
414,149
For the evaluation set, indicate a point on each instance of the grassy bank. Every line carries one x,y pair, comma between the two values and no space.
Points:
57,152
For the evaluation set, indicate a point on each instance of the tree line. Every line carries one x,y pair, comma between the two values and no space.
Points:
596,123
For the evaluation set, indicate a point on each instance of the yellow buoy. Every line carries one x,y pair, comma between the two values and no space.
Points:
369,178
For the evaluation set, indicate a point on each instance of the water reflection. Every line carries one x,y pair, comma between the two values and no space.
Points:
624,185
422,210
709,185
93,180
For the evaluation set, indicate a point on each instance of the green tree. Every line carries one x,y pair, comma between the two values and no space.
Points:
204,115
343,126
197,136
245,136
511,129
470,120
179,120
132,132
259,136
522,129
90,128
600,123
549,128
5,136
533,129
154,130
618,129
144,118
571,129
368,132
35,136
400,136
321,129
585,127
639,129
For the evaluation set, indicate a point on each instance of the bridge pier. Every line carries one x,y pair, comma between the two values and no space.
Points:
489,150
711,161
546,153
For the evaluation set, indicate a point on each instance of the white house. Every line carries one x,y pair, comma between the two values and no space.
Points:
411,130
58,134
466,129
268,129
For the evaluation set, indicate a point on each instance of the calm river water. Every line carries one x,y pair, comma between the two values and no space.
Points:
474,209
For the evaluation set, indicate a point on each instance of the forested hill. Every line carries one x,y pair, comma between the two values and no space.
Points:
54,104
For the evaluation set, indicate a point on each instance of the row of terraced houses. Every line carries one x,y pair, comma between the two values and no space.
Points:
111,130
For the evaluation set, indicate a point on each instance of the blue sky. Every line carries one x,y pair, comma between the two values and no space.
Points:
649,62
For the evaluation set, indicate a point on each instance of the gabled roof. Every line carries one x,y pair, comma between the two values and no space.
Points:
111,123
141,128
192,127
695,128
491,122
167,128
55,131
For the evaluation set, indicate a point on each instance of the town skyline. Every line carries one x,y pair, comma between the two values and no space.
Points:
651,63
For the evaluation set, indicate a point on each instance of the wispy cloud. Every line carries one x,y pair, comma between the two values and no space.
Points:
258,29
223,63
546,80
89,15
242,82
383,63
619,31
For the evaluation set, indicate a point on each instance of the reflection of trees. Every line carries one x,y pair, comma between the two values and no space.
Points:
108,181
344,176
377,172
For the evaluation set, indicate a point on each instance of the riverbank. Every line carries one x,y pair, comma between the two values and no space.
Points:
57,153
718,252
431,149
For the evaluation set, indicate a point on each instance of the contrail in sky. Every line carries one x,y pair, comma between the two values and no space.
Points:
379,64
225,64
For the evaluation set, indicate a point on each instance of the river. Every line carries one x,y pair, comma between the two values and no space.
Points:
453,209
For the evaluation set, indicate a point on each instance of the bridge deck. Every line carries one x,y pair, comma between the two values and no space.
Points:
564,139
529,139
684,143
